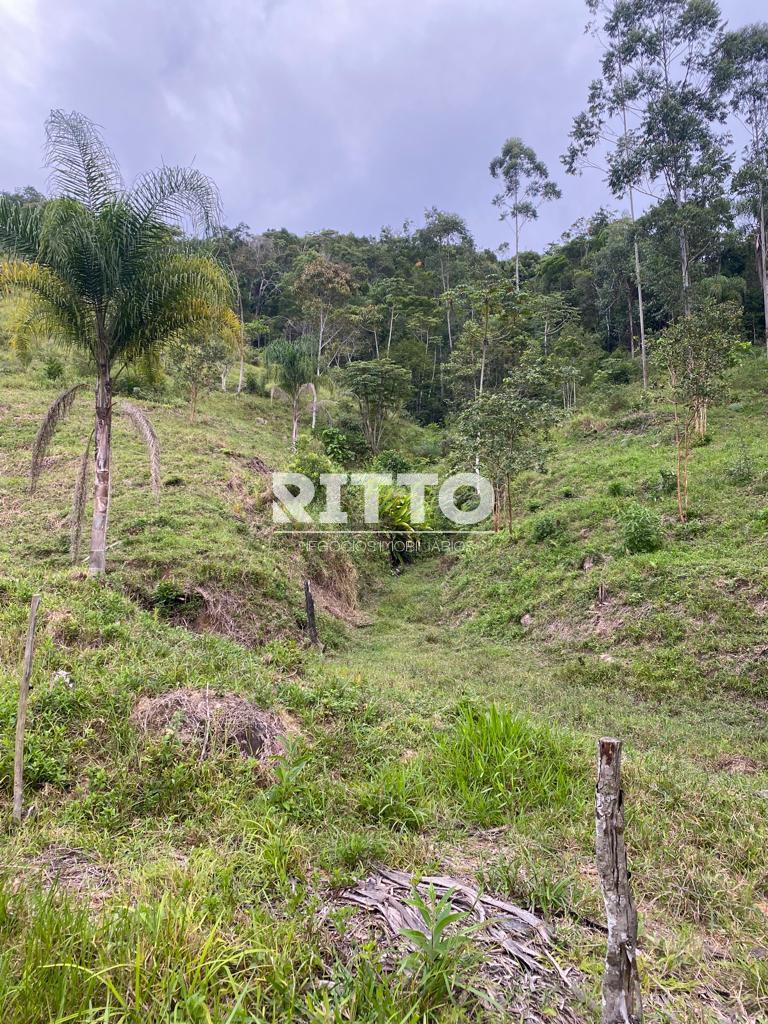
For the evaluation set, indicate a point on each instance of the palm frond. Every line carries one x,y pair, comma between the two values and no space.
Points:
79,498
20,228
143,427
177,291
57,412
56,305
173,194
82,165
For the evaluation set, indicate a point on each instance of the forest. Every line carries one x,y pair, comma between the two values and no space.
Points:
343,768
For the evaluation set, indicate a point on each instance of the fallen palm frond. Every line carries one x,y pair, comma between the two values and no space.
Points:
57,412
78,501
514,936
141,423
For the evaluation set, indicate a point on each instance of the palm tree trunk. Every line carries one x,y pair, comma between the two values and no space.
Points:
295,425
103,435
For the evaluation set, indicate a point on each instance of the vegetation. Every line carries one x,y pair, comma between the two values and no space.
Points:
614,391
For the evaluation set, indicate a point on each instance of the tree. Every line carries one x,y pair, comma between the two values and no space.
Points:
323,286
606,120
483,355
447,234
291,363
102,266
527,185
743,71
202,357
503,433
381,387
695,352
660,61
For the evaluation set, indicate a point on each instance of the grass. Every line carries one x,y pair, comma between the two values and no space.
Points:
448,735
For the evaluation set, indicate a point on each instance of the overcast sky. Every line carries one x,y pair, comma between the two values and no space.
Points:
346,114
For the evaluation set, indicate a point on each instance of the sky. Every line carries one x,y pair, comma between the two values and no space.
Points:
312,114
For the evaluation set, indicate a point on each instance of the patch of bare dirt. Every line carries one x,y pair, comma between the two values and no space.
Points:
736,764
74,871
211,721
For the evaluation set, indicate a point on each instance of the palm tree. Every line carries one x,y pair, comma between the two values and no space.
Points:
294,369
102,266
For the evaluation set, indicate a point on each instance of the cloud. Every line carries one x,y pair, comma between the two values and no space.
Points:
311,113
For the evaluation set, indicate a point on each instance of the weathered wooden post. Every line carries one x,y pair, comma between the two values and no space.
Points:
309,603
21,716
621,980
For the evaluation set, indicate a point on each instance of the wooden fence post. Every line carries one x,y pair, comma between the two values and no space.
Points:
21,717
309,603
621,980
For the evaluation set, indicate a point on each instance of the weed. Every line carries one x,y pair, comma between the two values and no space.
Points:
642,531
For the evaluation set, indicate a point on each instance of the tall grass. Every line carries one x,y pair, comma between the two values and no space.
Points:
499,766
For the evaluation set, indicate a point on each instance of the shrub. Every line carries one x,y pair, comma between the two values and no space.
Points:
309,461
253,385
53,368
546,527
667,481
390,462
742,470
642,530
336,445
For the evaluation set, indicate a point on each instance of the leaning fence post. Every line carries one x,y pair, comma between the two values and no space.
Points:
21,717
621,980
309,603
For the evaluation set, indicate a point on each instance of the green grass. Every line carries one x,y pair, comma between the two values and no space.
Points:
448,735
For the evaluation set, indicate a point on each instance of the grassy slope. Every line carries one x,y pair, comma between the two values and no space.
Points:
218,870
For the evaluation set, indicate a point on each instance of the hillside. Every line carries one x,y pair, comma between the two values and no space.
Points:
194,884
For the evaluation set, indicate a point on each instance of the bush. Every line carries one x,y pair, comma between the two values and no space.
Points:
742,471
309,461
390,462
545,527
642,530
252,385
53,368
336,445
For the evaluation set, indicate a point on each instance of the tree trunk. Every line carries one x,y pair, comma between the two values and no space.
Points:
21,716
391,327
638,276
101,492
295,428
517,251
762,263
631,317
621,980
685,269
241,374
641,312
